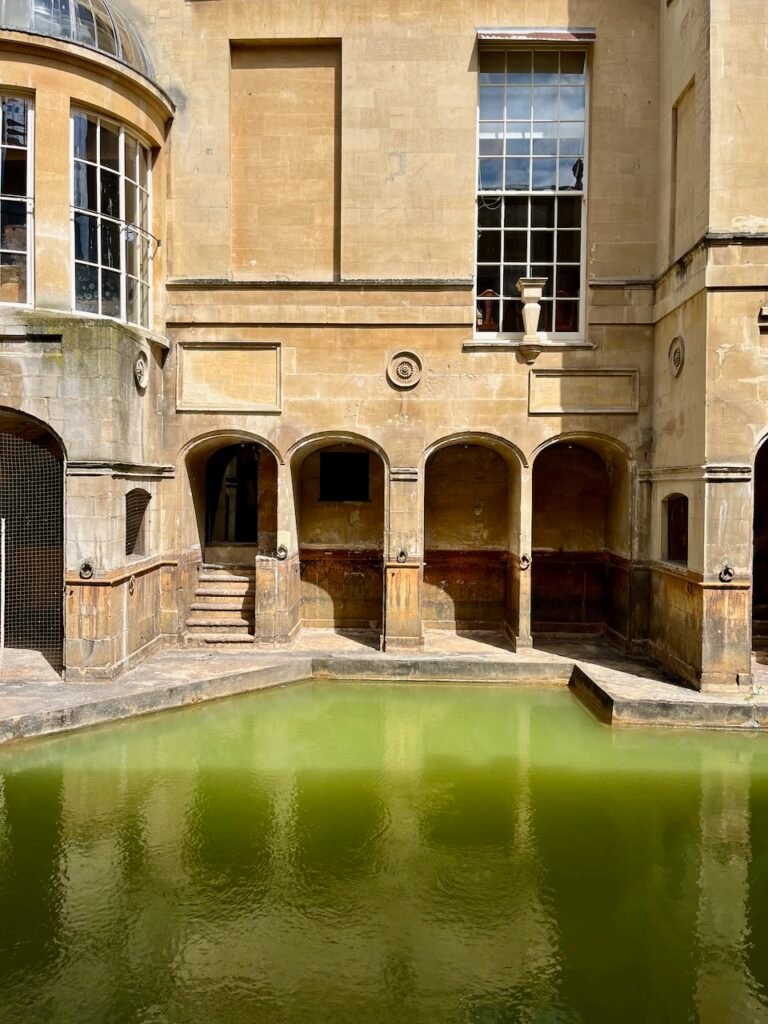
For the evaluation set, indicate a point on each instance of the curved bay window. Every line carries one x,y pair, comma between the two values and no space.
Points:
16,202
530,203
112,243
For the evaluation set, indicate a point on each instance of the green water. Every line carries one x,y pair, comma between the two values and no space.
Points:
380,853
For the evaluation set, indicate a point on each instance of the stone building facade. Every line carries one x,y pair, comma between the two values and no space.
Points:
264,363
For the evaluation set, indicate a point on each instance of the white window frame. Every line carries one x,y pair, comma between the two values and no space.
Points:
29,198
124,227
552,336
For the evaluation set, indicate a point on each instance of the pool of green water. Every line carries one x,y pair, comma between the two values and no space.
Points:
345,852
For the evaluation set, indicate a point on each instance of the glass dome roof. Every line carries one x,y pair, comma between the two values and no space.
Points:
92,23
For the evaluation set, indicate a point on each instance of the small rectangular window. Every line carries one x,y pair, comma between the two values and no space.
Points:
677,528
136,504
344,476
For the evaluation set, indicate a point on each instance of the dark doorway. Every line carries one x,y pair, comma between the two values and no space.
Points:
232,495
32,504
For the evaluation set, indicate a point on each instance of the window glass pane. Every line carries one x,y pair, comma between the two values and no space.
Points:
489,212
133,300
110,244
511,276
86,288
144,317
542,212
86,238
545,138
568,281
518,140
488,281
490,173
488,246
143,166
517,174
14,172
13,227
519,67
110,194
571,104
566,316
143,220
545,67
516,212
132,249
545,317
110,293
110,148
545,104
105,33
513,317
572,66
543,246
14,122
491,67
568,246
131,211
487,316
491,104
544,174
13,278
568,212
515,246
131,158
85,186
85,138
492,139
572,138
86,26
571,174
518,104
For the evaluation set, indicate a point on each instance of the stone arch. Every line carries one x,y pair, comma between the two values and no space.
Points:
32,483
340,483
581,536
472,520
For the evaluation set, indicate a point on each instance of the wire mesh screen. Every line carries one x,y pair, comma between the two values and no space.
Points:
136,502
32,503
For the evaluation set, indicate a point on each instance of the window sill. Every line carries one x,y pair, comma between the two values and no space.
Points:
515,344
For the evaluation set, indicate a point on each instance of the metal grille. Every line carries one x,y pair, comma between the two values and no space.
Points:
136,503
32,503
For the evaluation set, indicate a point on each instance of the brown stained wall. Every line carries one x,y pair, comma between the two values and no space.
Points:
346,525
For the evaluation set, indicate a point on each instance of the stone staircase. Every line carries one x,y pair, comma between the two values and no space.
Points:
222,611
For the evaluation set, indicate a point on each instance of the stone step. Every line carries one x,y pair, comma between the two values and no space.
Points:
222,603
224,589
212,574
225,621
218,638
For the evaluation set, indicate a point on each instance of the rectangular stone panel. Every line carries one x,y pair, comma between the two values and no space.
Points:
557,392
229,377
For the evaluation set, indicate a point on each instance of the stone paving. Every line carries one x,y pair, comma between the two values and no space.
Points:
618,688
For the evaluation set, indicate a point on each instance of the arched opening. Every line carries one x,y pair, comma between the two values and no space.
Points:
470,526
581,540
340,489
32,505
234,493
760,552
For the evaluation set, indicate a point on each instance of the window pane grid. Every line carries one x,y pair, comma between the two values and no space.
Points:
16,203
112,243
532,113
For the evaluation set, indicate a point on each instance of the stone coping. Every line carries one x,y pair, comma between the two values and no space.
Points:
618,690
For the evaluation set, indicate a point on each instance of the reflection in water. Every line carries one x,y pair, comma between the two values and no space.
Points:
358,853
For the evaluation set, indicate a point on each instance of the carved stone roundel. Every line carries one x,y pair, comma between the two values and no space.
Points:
676,356
404,370
141,370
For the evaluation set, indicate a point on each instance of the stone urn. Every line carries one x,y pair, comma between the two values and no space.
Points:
530,289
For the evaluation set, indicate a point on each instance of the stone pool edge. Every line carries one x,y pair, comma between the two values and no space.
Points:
615,698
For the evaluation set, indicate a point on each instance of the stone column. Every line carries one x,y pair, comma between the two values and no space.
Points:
403,563
277,584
